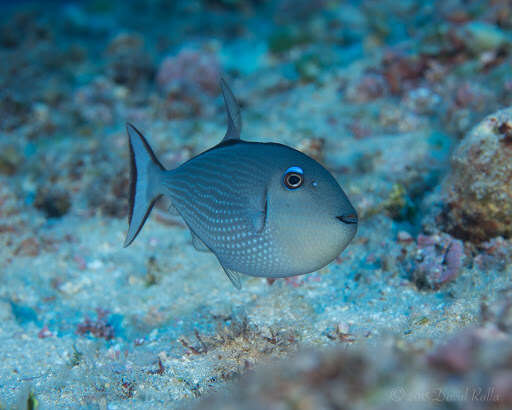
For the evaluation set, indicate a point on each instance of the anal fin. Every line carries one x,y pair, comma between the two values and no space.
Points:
233,276
172,210
198,244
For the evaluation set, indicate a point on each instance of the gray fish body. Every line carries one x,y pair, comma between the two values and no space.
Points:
263,209
233,199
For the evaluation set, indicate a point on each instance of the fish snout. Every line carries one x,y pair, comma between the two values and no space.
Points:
348,218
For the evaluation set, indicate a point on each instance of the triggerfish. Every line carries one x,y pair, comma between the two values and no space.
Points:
263,209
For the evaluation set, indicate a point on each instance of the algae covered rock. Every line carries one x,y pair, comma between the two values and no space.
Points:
10,159
54,203
480,37
128,62
478,192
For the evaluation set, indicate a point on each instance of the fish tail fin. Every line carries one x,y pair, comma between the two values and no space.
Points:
146,174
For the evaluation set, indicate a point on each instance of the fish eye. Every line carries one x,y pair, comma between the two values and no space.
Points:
293,177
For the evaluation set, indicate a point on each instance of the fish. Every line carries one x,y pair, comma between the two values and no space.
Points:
263,209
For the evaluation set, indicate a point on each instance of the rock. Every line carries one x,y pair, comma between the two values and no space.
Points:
285,39
53,203
128,63
457,355
10,159
402,72
366,88
494,255
28,247
398,204
23,27
502,383
309,67
94,103
314,147
422,100
14,110
480,37
478,191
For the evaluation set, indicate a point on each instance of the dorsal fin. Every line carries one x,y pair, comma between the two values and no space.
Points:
233,113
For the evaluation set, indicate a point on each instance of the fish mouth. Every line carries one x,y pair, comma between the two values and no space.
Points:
349,219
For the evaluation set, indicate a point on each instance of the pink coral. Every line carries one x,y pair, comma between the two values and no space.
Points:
495,254
188,70
99,328
438,260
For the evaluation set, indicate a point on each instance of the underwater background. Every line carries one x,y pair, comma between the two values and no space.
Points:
405,102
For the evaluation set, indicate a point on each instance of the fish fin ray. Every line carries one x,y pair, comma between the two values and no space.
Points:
233,113
258,216
172,210
145,179
233,276
198,244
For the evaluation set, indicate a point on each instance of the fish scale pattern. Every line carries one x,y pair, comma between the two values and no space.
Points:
223,208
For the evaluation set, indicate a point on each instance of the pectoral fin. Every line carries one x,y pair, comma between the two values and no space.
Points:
233,276
257,215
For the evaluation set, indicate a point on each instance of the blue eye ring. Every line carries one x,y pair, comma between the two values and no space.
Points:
293,178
